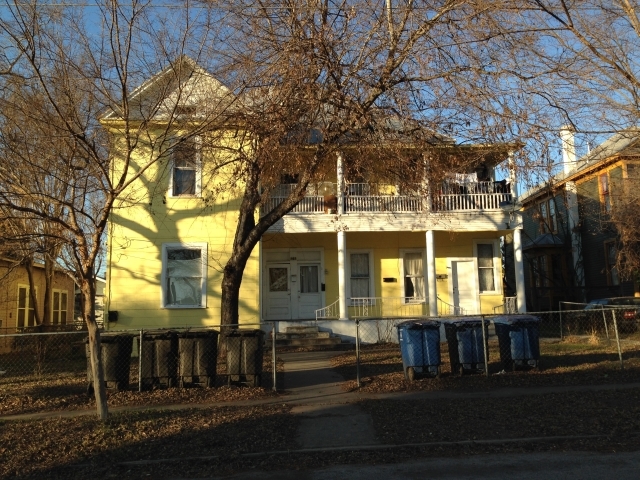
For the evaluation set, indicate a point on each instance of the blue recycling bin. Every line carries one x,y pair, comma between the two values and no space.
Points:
519,340
466,346
420,348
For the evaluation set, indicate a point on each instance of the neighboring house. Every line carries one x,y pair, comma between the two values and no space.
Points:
350,248
17,307
569,243
99,304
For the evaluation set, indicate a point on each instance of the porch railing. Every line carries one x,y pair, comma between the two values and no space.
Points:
509,306
446,309
364,197
331,312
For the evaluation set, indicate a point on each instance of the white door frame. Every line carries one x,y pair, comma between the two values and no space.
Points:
474,262
290,256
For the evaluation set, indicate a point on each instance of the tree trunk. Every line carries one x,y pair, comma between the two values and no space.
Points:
97,369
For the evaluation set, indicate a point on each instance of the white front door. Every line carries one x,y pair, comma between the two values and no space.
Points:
278,292
464,286
309,295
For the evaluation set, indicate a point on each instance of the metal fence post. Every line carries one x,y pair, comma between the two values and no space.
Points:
140,364
358,352
615,326
606,328
560,306
273,356
485,347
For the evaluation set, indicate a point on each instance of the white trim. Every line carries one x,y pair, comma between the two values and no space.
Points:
163,277
197,139
60,310
402,253
497,263
372,290
474,260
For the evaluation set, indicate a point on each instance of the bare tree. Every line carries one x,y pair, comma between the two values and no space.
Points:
66,71
371,79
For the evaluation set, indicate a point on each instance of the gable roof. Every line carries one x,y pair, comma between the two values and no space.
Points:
183,83
623,143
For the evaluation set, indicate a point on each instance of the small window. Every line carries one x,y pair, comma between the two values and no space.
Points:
26,310
413,273
605,197
185,172
611,253
59,307
547,217
184,275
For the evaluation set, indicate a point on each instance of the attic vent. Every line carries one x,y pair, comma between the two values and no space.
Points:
185,109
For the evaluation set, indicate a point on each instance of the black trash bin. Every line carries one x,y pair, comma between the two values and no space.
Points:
115,349
158,358
420,348
466,348
244,356
518,340
198,352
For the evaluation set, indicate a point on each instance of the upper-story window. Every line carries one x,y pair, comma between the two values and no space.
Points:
186,168
547,216
605,193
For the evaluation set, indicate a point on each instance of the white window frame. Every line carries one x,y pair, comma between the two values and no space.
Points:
372,289
403,252
27,308
198,187
164,278
61,307
497,263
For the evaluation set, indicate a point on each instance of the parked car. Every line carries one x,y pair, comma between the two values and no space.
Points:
626,318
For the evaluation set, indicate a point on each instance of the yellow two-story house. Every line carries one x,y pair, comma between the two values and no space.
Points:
349,249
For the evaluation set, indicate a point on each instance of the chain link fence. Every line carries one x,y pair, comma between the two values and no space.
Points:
497,344
55,363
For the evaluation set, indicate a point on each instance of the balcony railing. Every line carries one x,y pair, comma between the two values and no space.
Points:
364,197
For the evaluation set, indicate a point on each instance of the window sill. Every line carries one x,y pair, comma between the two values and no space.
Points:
182,307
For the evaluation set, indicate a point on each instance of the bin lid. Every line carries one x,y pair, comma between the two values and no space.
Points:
245,332
419,324
198,332
462,321
514,319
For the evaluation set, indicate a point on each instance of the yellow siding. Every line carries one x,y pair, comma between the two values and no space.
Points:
386,248
144,219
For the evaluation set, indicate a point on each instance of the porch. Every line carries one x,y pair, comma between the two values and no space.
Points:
365,197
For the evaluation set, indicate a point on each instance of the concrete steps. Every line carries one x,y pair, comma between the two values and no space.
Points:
306,336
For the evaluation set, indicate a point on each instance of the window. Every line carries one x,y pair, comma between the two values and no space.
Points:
605,197
413,275
26,311
610,255
184,275
59,307
547,216
186,168
360,276
488,273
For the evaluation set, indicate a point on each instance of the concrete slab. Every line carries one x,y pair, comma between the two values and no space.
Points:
334,426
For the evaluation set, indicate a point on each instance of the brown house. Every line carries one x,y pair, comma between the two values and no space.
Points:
17,310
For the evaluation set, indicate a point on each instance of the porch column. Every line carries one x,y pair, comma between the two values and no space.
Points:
519,270
342,276
431,275
512,177
342,242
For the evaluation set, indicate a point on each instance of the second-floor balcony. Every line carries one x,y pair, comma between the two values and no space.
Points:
367,197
